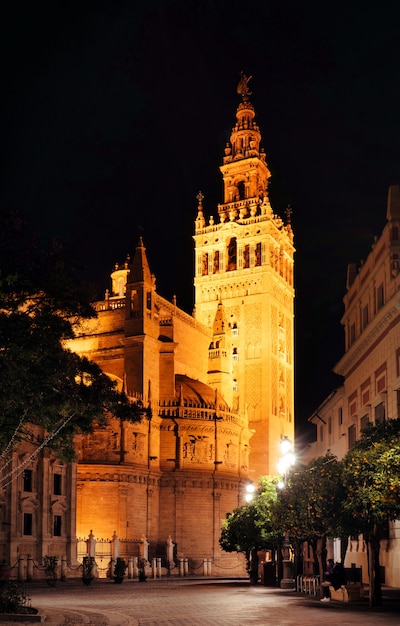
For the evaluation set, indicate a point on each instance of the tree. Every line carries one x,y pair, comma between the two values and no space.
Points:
48,392
371,478
308,507
249,528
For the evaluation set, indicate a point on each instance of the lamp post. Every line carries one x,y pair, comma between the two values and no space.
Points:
285,463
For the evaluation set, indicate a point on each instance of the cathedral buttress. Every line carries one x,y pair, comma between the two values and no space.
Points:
219,375
141,326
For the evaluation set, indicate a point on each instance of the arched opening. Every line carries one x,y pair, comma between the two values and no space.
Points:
241,190
232,254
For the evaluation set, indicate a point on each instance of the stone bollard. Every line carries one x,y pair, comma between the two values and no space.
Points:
209,563
205,567
159,567
181,567
29,569
135,567
186,567
21,569
154,567
130,567
63,568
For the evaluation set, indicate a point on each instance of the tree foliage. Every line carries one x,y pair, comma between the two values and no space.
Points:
308,506
371,476
43,383
249,528
371,479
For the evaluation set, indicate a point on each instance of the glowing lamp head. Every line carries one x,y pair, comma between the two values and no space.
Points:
250,489
286,445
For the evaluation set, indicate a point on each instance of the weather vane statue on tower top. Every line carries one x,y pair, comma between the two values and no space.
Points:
243,86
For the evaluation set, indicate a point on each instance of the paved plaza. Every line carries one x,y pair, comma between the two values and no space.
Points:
198,602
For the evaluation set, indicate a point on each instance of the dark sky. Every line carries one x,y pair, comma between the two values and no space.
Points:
115,115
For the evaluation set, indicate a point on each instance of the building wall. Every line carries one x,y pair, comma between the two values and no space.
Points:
370,367
37,507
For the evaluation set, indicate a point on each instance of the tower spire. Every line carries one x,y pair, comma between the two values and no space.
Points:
200,221
244,170
140,270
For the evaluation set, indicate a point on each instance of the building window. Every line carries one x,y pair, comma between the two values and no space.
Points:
380,301
57,484
364,421
380,413
321,433
28,524
352,436
232,252
257,260
365,316
366,391
380,378
352,333
27,480
241,190
398,362
216,262
235,355
57,526
329,425
246,256
204,270
340,416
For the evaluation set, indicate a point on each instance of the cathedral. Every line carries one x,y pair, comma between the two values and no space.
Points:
215,389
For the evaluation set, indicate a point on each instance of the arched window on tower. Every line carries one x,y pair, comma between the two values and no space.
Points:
232,254
257,258
246,256
241,190
204,269
216,262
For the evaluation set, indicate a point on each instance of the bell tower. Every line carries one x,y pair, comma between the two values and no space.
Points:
244,261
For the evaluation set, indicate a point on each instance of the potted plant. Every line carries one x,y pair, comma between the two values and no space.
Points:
142,572
119,569
88,564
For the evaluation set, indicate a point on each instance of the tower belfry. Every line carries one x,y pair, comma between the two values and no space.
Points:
244,261
245,172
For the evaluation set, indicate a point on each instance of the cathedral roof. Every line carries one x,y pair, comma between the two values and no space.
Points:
192,392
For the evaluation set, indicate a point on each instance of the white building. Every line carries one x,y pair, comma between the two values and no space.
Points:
370,368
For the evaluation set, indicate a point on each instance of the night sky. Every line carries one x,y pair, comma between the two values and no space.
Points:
116,115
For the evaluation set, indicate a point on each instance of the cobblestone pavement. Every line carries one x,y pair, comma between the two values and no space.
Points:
202,602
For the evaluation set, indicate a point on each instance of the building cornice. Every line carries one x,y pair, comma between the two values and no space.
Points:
364,346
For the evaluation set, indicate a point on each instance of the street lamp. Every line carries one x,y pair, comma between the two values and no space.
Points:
250,489
285,463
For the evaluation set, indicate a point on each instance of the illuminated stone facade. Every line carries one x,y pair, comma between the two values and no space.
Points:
215,387
245,260
220,383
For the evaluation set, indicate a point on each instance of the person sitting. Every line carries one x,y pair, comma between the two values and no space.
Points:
328,580
335,575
